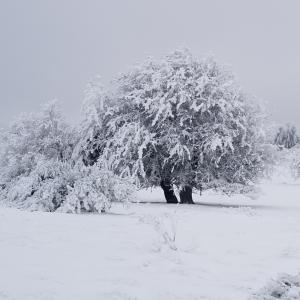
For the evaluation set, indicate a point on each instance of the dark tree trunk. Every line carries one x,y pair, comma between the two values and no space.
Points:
186,195
169,192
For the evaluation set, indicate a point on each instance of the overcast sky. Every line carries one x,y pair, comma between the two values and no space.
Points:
52,48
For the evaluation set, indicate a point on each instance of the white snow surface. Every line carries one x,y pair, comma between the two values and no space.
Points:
227,248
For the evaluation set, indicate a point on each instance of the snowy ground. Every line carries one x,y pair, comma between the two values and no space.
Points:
227,248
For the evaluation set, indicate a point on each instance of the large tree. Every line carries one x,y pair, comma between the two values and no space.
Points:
178,122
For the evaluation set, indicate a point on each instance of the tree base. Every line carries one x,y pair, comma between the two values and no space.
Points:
169,192
186,195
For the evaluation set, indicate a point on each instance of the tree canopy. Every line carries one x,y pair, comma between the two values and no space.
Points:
177,121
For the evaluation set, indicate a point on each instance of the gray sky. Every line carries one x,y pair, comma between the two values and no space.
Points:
51,48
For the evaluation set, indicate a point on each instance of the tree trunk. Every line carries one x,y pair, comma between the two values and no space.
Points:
186,195
169,192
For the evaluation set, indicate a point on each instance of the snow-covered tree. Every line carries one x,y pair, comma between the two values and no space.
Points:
37,171
62,186
32,137
179,121
286,137
91,138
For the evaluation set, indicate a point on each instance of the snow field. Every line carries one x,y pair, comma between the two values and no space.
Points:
227,249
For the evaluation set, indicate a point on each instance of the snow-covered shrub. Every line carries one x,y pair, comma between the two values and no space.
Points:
286,168
285,287
44,188
95,189
286,137
37,171
60,186
176,121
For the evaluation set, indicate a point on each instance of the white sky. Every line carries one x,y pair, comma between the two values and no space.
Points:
51,48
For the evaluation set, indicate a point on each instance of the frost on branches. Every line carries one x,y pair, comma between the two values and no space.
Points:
178,122
95,189
32,137
286,137
37,172
91,138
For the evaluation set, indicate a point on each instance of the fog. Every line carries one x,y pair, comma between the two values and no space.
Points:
51,49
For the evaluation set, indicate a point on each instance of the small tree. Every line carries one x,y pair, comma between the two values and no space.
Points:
32,137
179,121
31,142
38,173
286,137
